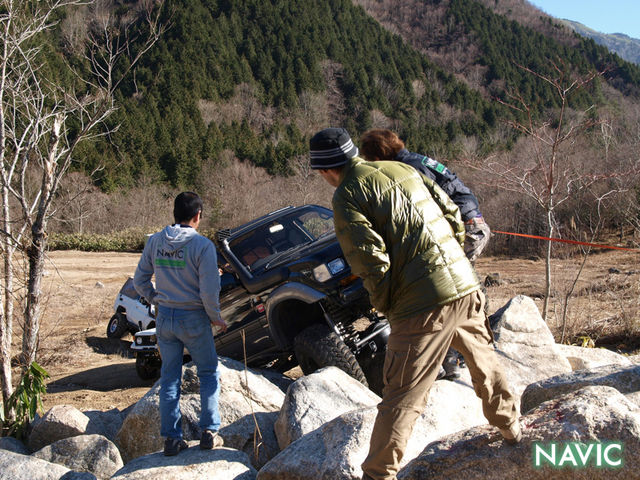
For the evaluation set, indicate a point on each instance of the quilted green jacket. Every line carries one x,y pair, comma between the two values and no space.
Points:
403,235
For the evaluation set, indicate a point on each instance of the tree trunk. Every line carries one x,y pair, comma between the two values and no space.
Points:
5,354
547,293
6,283
38,247
30,336
6,305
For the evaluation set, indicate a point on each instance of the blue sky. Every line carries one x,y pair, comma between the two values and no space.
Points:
606,16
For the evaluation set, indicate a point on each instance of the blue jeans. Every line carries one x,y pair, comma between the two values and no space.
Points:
175,330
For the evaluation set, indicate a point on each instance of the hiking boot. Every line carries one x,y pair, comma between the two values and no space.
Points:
173,446
451,371
512,435
210,440
441,373
450,365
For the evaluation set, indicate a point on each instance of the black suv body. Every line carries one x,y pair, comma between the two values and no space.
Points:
288,296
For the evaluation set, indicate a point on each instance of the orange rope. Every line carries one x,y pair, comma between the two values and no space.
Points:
574,242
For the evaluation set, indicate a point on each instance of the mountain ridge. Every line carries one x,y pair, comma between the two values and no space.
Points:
625,46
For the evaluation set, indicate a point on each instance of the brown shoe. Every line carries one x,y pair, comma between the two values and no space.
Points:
210,440
513,434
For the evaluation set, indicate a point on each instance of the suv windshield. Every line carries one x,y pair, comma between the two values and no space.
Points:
266,242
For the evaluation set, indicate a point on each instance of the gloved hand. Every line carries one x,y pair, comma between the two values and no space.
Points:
477,237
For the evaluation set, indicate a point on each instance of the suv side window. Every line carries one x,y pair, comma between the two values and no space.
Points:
250,248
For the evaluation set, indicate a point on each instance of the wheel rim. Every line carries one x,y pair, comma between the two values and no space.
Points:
113,325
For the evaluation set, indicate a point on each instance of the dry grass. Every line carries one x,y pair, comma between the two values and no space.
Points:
604,309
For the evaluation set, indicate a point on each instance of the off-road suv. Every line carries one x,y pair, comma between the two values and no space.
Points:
288,295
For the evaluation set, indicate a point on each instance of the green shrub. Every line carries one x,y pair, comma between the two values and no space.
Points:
24,402
130,240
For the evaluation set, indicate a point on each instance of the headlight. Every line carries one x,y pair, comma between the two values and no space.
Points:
324,272
144,340
321,273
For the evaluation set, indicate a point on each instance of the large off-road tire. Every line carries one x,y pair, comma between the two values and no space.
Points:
117,326
147,368
317,346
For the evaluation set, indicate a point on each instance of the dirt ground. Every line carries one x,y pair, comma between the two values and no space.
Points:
90,371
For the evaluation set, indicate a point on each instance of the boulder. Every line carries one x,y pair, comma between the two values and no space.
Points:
217,464
14,465
61,421
626,380
13,445
459,400
249,405
315,399
587,358
633,397
591,414
243,391
278,379
525,345
71,475
242,394
85,453
254,435
105,423
492,280
336,449
140,430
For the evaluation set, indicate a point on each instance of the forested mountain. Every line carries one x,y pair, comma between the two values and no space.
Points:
258,77
483,41
280,54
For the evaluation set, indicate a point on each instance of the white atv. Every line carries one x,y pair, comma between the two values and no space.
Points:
132,313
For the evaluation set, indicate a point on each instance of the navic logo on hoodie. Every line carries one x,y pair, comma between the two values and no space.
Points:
170,258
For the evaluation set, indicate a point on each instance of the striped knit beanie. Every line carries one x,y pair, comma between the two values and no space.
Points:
331,147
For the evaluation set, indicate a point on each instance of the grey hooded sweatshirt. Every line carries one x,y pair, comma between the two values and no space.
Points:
186,270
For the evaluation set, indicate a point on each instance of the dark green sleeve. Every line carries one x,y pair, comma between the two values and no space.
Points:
363,248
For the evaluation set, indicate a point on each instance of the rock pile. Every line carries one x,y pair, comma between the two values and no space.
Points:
320,428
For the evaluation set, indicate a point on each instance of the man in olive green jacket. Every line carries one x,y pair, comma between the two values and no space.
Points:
404,236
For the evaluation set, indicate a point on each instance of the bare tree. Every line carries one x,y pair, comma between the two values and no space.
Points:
36,115
629,210
553,175
593,224
77,202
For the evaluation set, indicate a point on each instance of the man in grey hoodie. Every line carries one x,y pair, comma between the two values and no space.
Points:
187,297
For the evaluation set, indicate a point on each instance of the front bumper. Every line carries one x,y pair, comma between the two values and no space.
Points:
145,343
